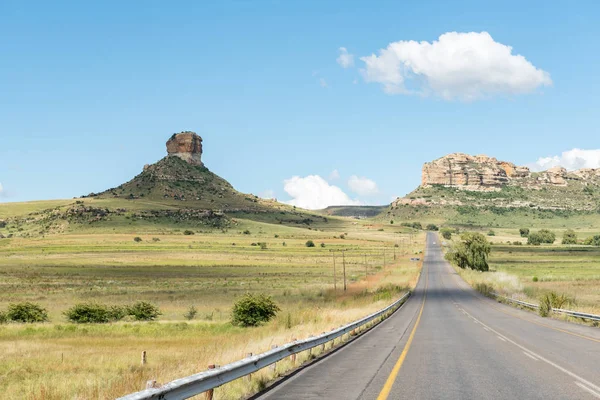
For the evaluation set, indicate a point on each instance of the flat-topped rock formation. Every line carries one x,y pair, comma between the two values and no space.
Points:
186,145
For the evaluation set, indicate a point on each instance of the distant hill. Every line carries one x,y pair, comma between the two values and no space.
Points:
178,191
182,177
354,211
480,190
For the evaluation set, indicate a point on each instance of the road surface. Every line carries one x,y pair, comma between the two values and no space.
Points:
449,342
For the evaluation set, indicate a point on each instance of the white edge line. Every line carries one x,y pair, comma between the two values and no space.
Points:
530,356
592,392
566,371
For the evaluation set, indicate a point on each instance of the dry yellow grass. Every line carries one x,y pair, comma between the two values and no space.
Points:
59,360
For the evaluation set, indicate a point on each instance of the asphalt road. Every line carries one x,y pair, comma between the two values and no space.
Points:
462,346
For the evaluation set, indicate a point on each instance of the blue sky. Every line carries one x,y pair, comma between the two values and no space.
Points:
90,91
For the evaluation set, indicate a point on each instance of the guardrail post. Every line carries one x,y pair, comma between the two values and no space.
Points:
150,384
209,393
293,357
144,357
274,365
323,345
249,376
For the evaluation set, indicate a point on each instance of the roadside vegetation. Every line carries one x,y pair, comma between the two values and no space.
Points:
106,298
550,274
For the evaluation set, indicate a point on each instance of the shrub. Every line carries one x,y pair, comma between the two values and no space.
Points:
322,244
491,233
593,240
188,232
524,232
137,239
3,318
543,236
93,313
263,245
310,243
392,222
535,279
190,313
26,312
276,236
569,237
342,236
517,243
246,232
432,227
284,244
155,239
252,310
484,289
143,311
446,233
552,300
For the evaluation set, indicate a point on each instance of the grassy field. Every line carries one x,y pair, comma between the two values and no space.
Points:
527,272
208,269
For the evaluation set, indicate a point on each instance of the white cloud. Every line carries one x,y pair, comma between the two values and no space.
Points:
570,159
465,66
345,59
313,192
323,82
334,175
267,194
362,186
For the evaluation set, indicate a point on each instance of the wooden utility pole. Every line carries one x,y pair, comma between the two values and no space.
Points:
344,264
366,271
334,280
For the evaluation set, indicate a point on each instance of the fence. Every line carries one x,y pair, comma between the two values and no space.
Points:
205,381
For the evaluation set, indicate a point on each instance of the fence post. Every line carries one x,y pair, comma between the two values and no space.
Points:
144,357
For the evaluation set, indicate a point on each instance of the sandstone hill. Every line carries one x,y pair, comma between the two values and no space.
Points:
463,180
182,177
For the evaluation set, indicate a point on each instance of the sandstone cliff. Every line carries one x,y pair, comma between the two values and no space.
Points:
187,146
483,173
461,179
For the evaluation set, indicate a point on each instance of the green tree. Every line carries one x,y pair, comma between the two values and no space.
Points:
524,232
446,233
252,310
432,227
472,252
593,240
310,243
543,236
569,237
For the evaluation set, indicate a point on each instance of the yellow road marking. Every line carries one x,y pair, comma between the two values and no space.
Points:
385,392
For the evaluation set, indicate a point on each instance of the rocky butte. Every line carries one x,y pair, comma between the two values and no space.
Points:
186,145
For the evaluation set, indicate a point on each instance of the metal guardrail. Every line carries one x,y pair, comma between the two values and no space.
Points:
195,384
570,313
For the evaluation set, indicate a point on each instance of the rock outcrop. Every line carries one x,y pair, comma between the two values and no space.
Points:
187,146
483,173
470,172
